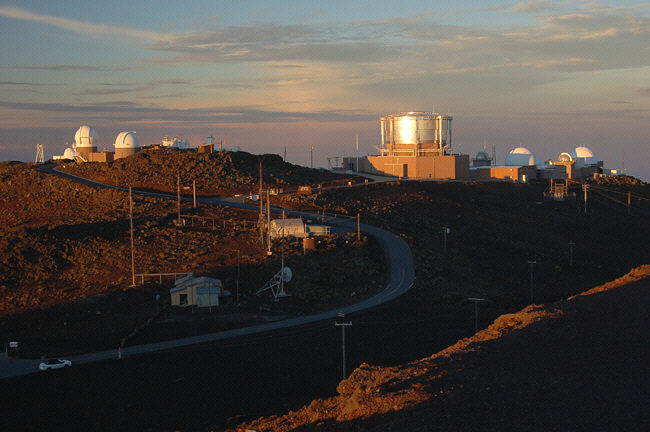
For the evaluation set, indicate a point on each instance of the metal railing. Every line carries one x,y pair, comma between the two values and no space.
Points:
160,276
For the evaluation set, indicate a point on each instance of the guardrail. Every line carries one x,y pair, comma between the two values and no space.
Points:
160,276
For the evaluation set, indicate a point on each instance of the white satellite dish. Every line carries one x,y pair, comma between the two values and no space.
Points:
287,274
276,284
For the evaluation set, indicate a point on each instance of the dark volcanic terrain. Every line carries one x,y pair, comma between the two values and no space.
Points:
579,364
66,264
495,229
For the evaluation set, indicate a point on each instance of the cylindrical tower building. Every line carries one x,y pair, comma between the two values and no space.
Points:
415,134
126,144
85,141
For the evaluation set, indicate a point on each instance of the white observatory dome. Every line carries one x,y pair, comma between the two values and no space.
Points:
69,153
86,136
520,156
127,140
584,156
565,157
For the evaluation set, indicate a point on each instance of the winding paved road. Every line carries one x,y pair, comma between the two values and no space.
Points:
401,275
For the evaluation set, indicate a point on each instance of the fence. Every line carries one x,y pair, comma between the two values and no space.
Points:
160,276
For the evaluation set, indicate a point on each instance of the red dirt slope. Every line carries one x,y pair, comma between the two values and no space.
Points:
577,364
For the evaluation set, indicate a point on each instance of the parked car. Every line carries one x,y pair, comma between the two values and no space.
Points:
54,364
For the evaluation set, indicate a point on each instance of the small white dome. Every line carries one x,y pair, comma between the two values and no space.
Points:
86,136
69,153
127,140
520,156
584,156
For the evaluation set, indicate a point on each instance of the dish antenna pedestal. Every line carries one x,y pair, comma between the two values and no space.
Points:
276,284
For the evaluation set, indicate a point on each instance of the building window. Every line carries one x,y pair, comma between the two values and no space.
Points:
183,299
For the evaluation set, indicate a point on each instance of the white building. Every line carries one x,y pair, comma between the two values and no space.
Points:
126,144
197,291
521,156
288,227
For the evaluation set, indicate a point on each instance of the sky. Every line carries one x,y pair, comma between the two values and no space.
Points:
265,75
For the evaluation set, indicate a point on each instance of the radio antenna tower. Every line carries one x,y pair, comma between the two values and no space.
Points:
40,154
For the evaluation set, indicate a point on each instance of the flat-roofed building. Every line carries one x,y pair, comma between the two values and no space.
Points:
196,291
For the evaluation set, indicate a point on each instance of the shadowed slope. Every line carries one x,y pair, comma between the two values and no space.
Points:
576,364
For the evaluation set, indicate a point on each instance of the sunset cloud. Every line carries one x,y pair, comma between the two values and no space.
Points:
91,29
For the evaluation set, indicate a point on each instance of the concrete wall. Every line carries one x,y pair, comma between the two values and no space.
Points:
100,157
560,170
206,148
454,167
125,152
514,173
86,151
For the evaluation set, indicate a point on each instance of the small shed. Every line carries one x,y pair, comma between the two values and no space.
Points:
288,227
196,291
318,230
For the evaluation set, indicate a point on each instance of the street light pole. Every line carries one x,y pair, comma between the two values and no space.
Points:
571,244
532,263
238,268
178,195
445,231
359,226
475,301
343,325
132,250
357,140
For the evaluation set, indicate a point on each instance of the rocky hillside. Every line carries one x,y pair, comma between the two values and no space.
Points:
495,229
65,255
214,173
576,364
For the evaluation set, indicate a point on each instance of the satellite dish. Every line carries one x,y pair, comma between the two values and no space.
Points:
287,274
276,284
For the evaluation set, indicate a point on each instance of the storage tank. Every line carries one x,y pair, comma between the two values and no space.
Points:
85,140
126,144
415,134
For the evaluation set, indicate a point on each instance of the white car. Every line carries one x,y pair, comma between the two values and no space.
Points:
54,364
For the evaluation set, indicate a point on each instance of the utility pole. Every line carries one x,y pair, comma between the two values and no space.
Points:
132,250
445,231
268,218
359,226
261,218
312,156
343,325
284,159
629,199
178,195
238,270
532,263
475,301
585,187
571,244
357,153
194,191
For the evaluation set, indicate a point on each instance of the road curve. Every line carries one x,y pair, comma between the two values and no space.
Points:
401,275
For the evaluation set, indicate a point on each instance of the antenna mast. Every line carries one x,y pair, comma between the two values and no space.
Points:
40,154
